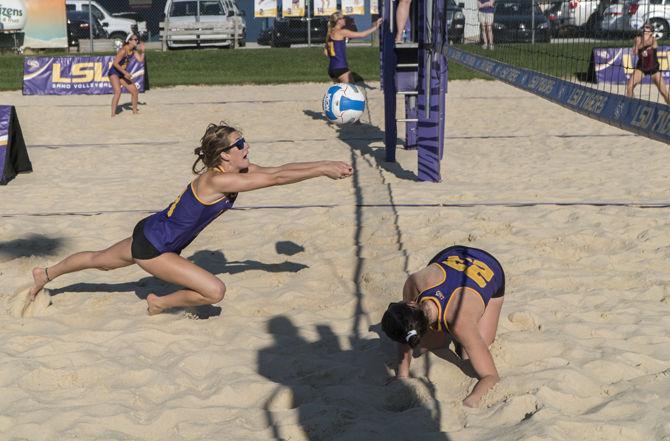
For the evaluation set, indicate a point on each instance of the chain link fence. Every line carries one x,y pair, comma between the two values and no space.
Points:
102,25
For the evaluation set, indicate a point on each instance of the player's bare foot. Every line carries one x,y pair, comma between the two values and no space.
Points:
153,306
40,278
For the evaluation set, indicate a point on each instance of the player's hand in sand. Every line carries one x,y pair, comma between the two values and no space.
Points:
338,170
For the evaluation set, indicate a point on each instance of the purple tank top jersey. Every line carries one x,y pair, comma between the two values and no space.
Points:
337,52
172,229
476,270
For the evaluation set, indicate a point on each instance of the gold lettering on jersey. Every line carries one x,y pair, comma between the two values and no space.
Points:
476,270
174,204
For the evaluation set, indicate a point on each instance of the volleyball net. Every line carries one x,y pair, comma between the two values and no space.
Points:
577,53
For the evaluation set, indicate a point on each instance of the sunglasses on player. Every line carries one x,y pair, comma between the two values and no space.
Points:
240,143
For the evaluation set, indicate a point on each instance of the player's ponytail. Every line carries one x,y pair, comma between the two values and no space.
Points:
213,142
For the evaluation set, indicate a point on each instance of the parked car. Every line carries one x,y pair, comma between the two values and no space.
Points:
223,13
141,22
293,30
455,21
580,13
655,12
513,20
554,15
116,27
616,19
79,27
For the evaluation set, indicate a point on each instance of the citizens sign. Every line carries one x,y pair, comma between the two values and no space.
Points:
74,75
615,65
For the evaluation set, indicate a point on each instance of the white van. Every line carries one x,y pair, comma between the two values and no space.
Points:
116,27
189,13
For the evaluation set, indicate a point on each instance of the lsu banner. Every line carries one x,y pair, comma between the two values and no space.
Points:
265,8
325,7
5,117
374,7
74,75
13,154
615,65
353,7
293,8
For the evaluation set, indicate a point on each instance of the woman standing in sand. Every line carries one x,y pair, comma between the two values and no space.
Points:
119,75
460,293
645,47
158,239
336,46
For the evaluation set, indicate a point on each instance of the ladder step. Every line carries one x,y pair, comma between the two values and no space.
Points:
407,45
407,119
407,92
407,65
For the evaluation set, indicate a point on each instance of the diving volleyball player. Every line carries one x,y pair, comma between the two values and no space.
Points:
119,75
459,293
336,47
157,241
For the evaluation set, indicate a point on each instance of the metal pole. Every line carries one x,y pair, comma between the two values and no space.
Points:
309,23
532,21
90,24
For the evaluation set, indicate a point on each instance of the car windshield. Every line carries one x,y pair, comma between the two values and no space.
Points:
184,9
211,8
515,8
94,10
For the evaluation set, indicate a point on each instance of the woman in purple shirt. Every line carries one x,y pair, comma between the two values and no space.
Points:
158,240
336,46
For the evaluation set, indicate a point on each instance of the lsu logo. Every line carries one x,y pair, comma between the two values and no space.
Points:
439,295
85,72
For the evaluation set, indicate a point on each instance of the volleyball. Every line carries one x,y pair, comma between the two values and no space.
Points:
343,103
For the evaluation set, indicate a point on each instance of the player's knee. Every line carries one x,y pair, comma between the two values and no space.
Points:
216,293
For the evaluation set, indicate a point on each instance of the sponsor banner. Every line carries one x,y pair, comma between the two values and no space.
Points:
374,7
293,8
325,7
265,8
643,117
5,118
74,75
615,65
353,7
45,25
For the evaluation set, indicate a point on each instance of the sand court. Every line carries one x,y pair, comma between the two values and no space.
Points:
576,211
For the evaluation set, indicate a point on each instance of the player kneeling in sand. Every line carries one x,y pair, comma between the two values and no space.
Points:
460,293
158,239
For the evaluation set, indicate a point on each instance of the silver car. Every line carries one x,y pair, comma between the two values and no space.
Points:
616,18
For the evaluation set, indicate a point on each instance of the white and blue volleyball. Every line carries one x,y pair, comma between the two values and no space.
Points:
343,103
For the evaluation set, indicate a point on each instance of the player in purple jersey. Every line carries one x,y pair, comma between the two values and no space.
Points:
459,293
119,75
336,46
158,239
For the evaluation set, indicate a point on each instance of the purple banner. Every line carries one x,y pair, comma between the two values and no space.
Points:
5,118
615,65
74,75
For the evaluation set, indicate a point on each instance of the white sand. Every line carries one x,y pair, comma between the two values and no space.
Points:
295,353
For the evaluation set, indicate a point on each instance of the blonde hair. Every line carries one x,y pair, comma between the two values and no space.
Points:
332,21
215,140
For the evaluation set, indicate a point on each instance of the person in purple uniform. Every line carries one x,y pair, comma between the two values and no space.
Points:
158,240
458,296
118,72
336,46
645,46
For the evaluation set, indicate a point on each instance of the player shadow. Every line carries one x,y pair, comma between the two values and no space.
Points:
360,138
31,245
338,393
128,107
213,261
